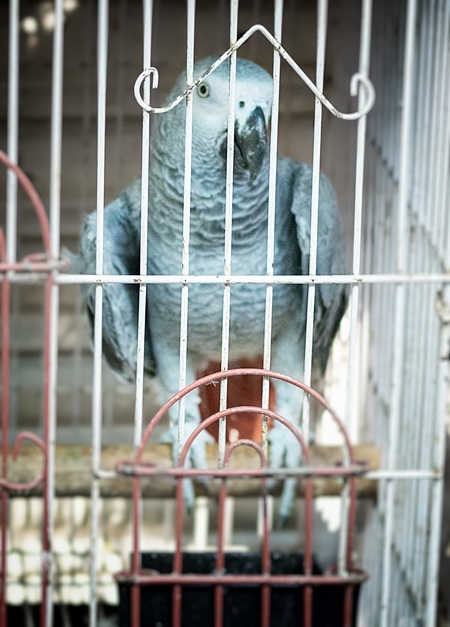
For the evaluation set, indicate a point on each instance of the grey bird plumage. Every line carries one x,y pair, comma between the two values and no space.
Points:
206,253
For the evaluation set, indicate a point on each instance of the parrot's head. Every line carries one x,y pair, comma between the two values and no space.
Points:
253,99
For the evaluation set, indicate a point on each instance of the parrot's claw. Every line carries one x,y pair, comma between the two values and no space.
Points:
196,458
285,451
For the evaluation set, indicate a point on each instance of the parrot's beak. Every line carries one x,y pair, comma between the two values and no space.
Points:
251,142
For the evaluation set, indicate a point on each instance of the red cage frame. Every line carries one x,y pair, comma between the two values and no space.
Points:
138,469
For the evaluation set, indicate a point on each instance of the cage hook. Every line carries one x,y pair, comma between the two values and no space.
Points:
357,80
147,72
29,485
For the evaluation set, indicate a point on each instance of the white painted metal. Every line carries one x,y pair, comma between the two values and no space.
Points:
228,230
11,182
400,306
415,189
55,211
102,63
322,16
13,128
352,397
186,219
304,279
138,407
442,197
356,79
278,25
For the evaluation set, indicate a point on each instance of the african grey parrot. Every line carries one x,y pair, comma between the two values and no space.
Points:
206,253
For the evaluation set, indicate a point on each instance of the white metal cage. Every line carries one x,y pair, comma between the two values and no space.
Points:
391,171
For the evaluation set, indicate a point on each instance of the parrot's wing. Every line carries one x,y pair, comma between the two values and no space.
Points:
120,301
331,299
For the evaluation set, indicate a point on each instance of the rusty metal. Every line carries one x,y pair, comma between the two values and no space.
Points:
137,577
38,262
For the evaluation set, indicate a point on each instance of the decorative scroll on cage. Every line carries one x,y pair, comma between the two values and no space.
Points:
40,265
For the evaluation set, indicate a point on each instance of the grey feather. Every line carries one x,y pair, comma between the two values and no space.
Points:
331,300
120,302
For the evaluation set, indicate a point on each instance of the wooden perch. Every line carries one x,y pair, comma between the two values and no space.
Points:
73,476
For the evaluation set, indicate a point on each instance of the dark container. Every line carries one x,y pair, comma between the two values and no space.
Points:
242,603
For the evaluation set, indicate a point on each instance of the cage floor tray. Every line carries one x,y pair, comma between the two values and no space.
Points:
242,603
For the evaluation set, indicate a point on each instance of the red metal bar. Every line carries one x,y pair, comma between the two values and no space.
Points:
220,558
136,591
358,576
307,606
218,376
36,262
137,468
351,523
265,559
348,607
308,559
34,266
32,194
178,556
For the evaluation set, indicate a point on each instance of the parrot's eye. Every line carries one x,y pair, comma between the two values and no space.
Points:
203,90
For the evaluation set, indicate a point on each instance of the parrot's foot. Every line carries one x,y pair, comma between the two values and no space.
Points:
196,457
285,451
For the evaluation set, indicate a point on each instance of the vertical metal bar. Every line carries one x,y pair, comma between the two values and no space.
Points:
102,62
56,128
266,509
308,558
364,62
351,399
139,392
177,561
52,307
220,557
186,218
265,560
408,417
86,159
278,21
396,390
439,439
5,320
228,229
135,556
13,130
418,335
178,557
438,484
442,242
9,254
120,92
322,12
430,330
138,407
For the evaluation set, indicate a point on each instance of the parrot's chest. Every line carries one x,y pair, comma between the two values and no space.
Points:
206,302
